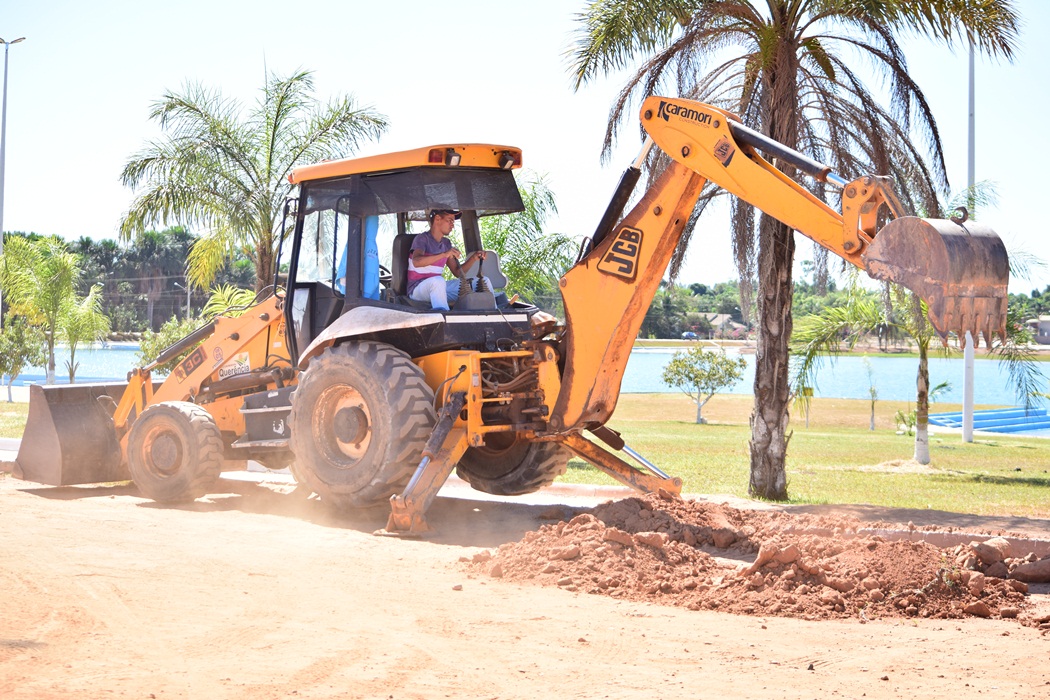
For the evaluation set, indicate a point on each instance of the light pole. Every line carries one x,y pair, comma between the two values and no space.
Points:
187,288
969,342
3,153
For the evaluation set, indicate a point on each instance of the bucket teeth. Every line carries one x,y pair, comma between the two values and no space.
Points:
980,316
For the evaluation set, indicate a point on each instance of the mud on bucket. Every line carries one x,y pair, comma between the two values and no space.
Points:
961,271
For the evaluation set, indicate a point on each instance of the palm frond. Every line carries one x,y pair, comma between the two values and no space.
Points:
224,169
613,33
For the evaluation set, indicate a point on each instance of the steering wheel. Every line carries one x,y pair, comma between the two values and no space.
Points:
385,276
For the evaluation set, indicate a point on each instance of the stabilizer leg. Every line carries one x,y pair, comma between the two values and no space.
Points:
618,469
440,456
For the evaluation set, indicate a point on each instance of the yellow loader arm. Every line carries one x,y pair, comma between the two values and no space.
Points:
959,269
77,434
254,332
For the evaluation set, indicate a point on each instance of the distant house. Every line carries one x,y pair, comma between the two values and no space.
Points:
1040,329
723,325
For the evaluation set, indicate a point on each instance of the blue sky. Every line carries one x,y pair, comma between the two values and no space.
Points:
81,84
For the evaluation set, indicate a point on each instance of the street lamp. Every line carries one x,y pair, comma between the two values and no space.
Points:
3,152
187,288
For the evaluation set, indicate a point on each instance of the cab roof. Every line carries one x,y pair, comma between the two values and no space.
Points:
467,155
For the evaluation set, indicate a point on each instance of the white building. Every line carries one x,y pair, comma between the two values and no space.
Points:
1040,329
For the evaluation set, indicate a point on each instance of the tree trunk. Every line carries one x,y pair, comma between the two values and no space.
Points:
922,407
264,264
769,419
154,288
776,253
50,374
72,367
700,407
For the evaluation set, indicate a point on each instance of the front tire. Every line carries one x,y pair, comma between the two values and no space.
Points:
360,419
508,466
175,452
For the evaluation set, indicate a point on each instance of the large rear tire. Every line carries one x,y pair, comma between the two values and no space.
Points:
360,419
175,452
508,466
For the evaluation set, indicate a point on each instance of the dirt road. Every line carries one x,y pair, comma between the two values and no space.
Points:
261,594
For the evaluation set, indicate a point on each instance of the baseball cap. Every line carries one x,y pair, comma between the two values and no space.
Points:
435,212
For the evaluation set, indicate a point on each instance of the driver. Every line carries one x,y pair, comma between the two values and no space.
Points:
430,252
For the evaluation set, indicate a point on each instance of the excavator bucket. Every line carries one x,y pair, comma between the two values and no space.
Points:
69,436
959,269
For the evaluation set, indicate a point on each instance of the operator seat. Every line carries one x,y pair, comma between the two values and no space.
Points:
399,278
399,263
399,272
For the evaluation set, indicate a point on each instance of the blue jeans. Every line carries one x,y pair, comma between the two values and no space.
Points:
441,293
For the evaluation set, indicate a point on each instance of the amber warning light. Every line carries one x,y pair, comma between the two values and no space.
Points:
448,156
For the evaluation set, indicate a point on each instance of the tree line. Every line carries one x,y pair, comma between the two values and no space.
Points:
678,309
142,283
717,310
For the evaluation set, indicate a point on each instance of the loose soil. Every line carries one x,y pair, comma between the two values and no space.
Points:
261,593
707,556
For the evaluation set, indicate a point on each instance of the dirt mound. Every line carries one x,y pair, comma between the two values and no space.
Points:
706,556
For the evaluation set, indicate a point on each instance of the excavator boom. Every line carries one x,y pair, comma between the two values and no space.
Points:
958,268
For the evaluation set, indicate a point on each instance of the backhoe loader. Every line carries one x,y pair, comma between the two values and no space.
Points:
371,396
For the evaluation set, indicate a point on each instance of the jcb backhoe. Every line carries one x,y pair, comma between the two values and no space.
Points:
370,395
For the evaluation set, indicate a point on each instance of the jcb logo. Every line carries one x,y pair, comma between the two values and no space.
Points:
724,151
194,360
622,257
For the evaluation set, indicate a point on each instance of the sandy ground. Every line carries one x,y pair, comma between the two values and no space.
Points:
257,593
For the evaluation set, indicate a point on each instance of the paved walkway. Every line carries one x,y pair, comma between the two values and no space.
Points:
19,394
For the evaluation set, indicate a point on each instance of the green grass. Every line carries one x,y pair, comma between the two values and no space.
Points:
13,419
837,459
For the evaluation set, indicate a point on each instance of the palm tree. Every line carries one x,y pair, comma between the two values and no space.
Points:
863,316
902,312
782,70
226,171
529,258
39,278
83,321
158,259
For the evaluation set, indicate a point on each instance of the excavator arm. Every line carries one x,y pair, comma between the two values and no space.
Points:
959,269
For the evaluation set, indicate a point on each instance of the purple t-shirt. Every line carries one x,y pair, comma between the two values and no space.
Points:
426,244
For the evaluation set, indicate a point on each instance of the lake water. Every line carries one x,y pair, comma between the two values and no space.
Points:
845,377
97,364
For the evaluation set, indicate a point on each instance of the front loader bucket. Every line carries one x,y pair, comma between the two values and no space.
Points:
959,270
69,436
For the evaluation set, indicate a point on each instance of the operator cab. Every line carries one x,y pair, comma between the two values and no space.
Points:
354,221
